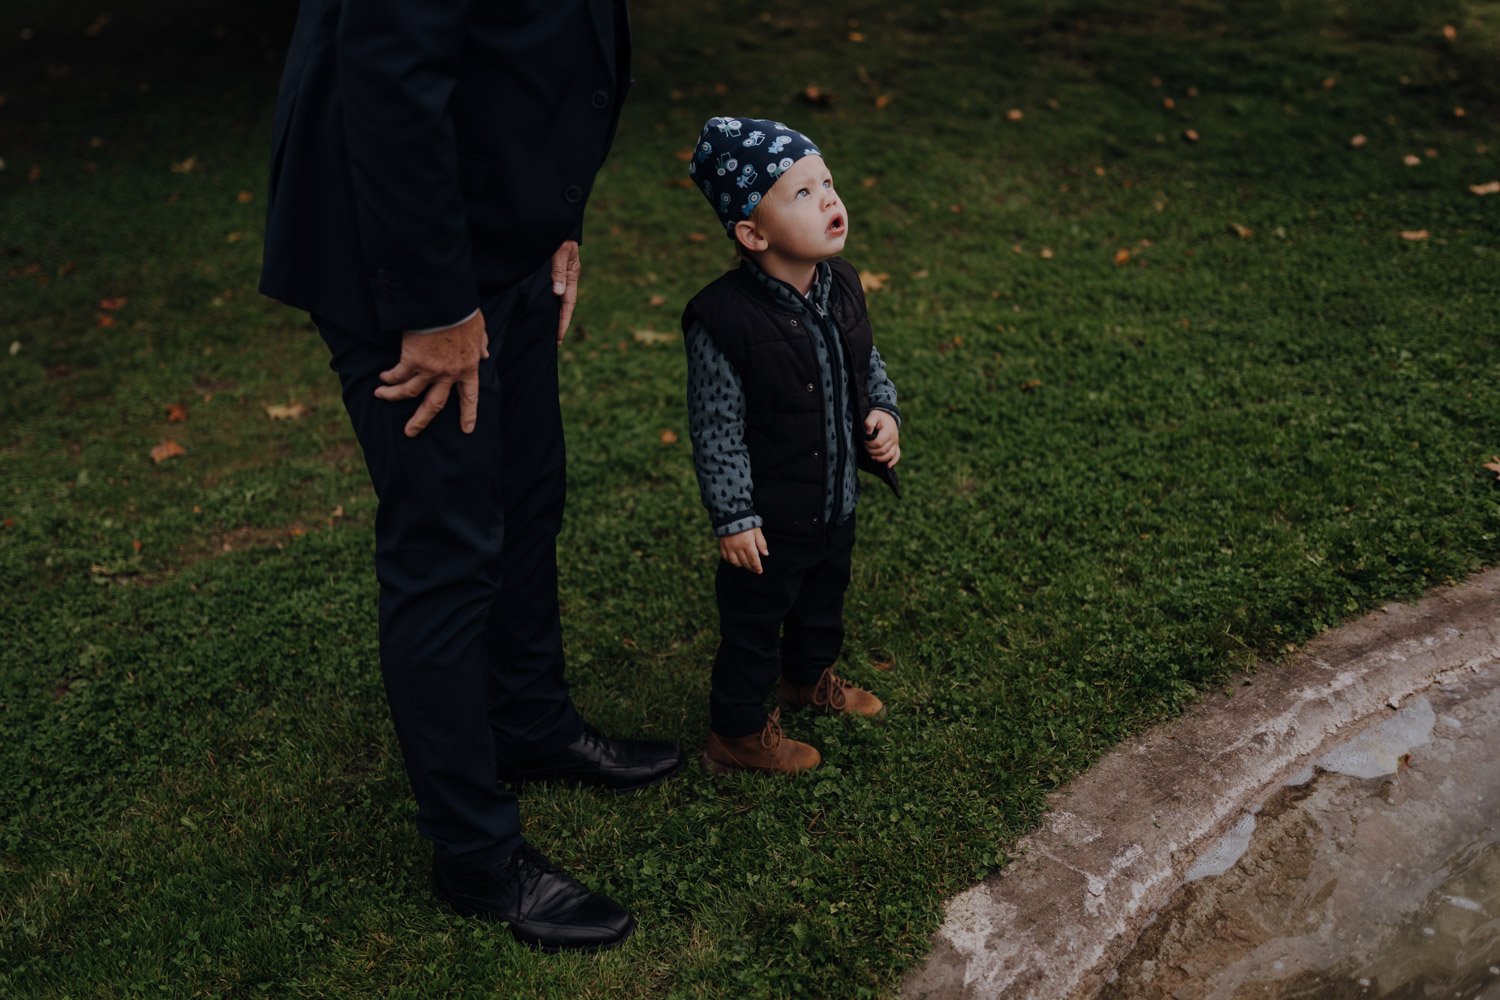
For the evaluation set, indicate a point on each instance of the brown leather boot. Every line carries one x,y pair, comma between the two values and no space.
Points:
831,693
768,750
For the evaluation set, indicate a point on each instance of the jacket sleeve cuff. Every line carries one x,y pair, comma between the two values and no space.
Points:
741,521
449,326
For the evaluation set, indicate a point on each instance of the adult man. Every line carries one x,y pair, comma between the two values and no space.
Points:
430,156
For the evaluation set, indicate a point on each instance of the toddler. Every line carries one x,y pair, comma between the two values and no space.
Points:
787,396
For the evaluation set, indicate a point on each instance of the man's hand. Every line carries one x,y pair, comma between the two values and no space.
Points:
432,363
885,445
744,549
565,268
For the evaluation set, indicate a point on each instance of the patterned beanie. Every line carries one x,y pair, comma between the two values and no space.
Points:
738,159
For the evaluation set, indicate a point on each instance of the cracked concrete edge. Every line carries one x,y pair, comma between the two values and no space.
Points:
1116,842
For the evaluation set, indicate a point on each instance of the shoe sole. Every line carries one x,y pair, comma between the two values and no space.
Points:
537,944
719,767
519,785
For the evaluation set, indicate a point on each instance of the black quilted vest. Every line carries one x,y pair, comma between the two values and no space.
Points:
773,351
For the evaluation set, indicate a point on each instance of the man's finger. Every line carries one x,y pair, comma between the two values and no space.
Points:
432,405
468,402
565,314
409,389
400,373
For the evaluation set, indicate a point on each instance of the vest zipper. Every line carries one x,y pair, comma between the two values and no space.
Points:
836,369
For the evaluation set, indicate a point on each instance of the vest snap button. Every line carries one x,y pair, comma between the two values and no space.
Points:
809,387
794,322
815,455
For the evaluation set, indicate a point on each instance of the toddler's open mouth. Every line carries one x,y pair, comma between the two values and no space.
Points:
835,225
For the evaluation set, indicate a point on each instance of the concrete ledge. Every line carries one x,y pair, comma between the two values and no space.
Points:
1118,840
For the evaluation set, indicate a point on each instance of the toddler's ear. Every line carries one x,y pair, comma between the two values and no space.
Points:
750,236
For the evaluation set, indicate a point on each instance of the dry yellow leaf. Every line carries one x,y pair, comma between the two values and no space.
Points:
292,411
1122,256
1411,159
1191,135
856,36
1045,253
1241,231
1358,141
1493,187
869,182
669,436
1450,32
1015,114
1494,465
185,166
650,336
1414,234
872,282
881,100
246,196
657,300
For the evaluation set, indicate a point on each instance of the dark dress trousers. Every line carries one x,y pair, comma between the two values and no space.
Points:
428,158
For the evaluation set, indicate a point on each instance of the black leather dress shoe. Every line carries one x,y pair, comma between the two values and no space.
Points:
620,765
544,908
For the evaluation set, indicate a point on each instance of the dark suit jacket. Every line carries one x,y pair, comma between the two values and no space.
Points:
430,153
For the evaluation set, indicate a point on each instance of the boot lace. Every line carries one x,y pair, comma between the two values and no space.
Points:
771,736
829,691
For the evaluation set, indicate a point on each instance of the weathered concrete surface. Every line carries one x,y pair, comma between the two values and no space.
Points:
1118,841
1377,877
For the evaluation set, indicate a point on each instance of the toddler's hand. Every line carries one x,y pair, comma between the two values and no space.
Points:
744,549
885,445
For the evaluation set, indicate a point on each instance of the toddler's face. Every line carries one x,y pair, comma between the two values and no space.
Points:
801,216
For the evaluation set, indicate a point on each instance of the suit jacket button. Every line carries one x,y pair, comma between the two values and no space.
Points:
573,194
601,100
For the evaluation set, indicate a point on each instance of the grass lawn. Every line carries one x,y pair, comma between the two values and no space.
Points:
1178,393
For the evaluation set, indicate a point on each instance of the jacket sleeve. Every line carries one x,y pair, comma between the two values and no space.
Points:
716,423
397,66
882,389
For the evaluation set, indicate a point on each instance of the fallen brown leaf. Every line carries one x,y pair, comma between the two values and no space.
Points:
1414,234
185,166
1191,135
1459,112
104,321
166,450
816,96
136,545
233,237
1045,253
1241,231
1027,386
1431,154
246,196
1168,103
292,411
679,182
869,281
1450,32
1329,83
1493,187
869,182
919,275
1411,159
856,36
1015,114
697,237
668,436
337,511
1122,256
657,300
1358,141
684,155
113,303
176,413
1494,466
881,100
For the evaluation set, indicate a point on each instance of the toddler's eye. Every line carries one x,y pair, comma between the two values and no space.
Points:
802,191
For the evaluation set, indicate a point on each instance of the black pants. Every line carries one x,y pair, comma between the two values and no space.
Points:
786,621
465,552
